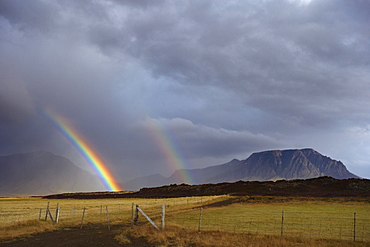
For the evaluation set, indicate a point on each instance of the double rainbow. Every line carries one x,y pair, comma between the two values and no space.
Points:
171,153
86,150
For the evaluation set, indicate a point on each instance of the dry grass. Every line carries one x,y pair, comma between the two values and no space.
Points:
312,218
20,216
26,228
14,210
246,222
175,236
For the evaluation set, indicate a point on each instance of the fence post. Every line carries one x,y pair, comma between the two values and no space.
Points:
57,212
354,226
136,215
83,217
40,213
200,218
282,223
147,217
132,214
46,212
106,207
163,216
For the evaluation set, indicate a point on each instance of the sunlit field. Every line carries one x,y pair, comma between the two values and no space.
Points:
310,219
338,219
17,211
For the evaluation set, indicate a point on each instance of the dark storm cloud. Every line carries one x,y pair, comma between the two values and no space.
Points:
279,61
282,57
224,78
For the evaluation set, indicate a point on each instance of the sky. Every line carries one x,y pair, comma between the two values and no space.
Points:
156,86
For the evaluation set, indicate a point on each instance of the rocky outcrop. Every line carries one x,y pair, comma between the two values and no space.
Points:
292,164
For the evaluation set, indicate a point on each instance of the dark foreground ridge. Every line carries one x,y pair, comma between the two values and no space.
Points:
316,187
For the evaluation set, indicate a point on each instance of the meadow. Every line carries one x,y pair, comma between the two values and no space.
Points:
339,220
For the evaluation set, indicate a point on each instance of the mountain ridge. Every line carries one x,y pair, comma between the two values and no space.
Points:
268,165
42,172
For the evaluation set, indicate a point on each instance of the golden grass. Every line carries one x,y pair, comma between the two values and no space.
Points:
26,228
307,220
310,218
14,210
175,236
18,216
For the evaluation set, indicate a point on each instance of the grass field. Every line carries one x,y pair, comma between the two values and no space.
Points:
19,210
310,219
294,218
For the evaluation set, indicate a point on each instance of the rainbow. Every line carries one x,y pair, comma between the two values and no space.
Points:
85,149
169,150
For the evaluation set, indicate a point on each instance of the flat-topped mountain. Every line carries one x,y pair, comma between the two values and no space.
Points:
262,166
291,164
41,173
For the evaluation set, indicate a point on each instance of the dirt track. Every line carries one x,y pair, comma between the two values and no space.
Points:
90,235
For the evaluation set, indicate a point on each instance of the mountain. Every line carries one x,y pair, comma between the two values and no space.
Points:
41,173
264,166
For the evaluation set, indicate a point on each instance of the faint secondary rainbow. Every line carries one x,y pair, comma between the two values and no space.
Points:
85,149
168,148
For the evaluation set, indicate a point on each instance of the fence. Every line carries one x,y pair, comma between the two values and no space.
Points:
14,211
190,213
313,225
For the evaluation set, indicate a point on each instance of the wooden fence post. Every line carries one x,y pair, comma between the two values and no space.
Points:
40,212
46,211
132,214
147,217
57,212
163,216
136,218
282,223
83,217
106,207
200,218
354,226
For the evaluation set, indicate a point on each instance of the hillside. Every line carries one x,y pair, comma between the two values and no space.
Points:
41,173
261,166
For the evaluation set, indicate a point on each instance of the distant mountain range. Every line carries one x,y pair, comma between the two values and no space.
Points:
263,166
42,173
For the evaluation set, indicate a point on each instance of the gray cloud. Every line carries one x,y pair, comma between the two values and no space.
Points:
199,140
224,79
15,102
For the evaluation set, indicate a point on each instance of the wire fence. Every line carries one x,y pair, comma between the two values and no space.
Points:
13,211
189,213
313,225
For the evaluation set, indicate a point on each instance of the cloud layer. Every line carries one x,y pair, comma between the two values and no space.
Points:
223,79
